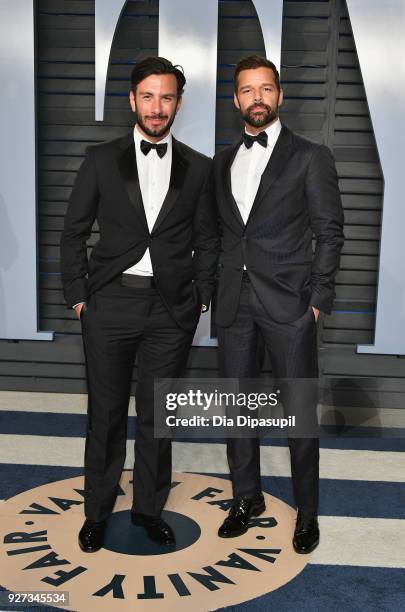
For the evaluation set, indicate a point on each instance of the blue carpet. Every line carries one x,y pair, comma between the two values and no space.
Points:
74,426
319,588
332,588
337,497
325,588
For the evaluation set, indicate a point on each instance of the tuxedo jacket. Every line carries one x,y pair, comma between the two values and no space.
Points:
298,198
183,243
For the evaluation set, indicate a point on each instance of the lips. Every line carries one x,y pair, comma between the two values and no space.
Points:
156,120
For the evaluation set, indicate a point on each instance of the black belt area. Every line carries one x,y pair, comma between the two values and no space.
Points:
138,282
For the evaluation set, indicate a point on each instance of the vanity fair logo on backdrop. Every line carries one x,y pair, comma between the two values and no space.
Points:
39,550
188,35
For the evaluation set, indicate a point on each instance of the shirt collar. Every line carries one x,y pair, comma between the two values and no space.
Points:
273,132
138,137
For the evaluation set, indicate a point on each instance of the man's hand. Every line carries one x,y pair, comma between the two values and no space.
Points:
78,309
316,312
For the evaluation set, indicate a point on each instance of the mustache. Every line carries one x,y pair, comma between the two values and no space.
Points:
156,116
257,107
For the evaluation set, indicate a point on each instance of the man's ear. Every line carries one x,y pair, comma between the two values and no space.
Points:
179,103
132,101
280,98
236,101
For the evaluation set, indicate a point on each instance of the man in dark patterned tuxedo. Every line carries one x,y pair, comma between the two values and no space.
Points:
149,277
275,191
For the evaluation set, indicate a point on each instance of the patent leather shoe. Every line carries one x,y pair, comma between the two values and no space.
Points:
91,536
237,521
156,528
306,534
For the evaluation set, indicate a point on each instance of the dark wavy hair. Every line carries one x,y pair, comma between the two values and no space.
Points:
252,62
157,65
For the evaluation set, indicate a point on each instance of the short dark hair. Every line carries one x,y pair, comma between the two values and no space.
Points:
157,65
252,62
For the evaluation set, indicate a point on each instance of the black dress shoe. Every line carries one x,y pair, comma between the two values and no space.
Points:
91,536
306,534
243,508
156,528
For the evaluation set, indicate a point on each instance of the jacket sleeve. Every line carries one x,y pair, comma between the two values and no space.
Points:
79,219
205,240
326,218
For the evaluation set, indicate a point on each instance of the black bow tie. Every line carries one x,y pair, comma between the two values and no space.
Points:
161,148
260,138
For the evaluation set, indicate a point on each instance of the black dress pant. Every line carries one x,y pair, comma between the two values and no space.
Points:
292,350
120,323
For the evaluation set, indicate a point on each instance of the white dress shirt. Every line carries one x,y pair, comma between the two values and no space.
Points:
248,167
154,178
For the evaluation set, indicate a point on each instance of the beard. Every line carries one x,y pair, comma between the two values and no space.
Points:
256,120
158,131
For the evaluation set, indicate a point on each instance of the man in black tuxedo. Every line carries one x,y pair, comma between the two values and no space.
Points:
149,277
274,190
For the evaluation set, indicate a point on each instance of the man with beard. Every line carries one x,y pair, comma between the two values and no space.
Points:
275,190
141,294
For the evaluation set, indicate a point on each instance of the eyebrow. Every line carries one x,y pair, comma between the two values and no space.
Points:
262,85
164,95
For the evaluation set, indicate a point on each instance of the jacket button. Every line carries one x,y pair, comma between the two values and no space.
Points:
244,238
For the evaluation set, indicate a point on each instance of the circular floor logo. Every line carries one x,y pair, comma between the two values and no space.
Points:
39,550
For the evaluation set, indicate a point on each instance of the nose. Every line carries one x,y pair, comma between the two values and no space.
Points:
156,106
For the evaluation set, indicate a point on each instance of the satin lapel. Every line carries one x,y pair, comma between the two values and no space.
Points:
129,174
277,162
177,178
227,184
